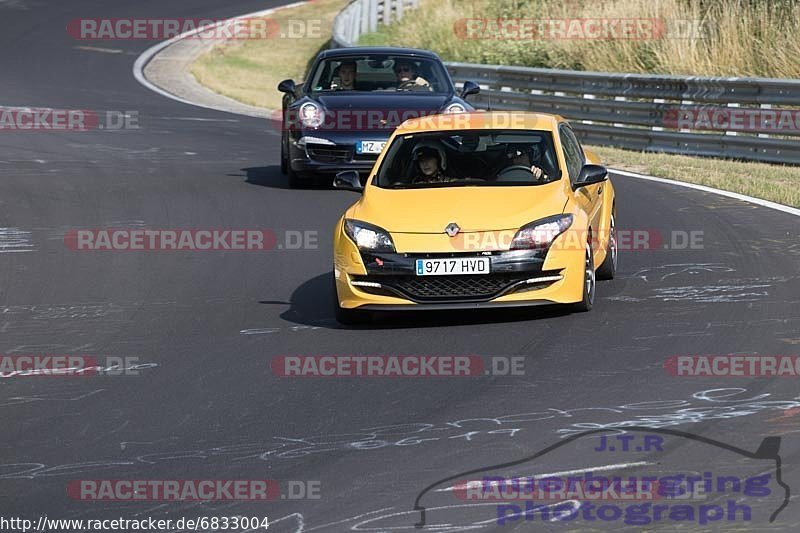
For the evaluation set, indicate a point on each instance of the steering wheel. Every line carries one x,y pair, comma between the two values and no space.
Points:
406,85
513,168
470,166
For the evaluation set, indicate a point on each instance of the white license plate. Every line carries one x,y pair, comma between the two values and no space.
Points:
453,266
370,147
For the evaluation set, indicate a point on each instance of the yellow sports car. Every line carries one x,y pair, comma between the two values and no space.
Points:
472,210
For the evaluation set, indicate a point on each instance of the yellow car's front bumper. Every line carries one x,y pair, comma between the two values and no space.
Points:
568,262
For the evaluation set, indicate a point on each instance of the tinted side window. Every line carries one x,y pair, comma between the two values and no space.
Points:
572,153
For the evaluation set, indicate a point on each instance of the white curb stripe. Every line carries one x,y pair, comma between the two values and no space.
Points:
737,196
142,61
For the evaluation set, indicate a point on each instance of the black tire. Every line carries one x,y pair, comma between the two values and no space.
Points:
284,154
297,180
609,267
589,284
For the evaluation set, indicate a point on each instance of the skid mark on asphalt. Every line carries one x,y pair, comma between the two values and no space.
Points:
727,289
678,269
269,331
15,240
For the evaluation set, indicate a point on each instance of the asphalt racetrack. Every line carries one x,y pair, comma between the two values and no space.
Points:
206,325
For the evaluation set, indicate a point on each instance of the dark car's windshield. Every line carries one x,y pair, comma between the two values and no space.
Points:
471,157
370,73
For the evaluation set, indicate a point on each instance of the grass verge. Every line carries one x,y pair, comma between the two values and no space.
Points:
776,183
685,37
250,70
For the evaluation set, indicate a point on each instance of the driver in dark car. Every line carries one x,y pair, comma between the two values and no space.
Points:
528,156
345,77
407,78
430,162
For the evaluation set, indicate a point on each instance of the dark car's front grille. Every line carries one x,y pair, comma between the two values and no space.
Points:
440,288
329,154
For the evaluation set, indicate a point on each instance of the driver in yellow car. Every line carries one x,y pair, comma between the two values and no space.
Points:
431,163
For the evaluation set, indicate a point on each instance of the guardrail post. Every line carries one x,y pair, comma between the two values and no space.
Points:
588,97
658,101
686,102
373,16
732,133
363,16
619,99
760,122
387,11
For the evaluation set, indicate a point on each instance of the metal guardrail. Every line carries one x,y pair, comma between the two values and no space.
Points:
363,16
634,111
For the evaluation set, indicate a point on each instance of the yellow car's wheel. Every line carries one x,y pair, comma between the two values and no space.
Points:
589,284
608,269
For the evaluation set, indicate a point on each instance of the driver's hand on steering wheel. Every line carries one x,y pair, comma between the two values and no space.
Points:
537,172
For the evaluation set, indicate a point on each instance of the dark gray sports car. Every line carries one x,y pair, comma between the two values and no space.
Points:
352,100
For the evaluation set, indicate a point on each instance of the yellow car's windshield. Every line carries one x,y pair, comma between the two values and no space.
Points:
469,158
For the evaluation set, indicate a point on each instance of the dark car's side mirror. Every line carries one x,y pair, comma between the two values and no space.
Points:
470,87
348,180
287,86
591,174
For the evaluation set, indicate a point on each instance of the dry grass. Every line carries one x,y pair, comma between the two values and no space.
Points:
734,37
748,41
776,183
249,71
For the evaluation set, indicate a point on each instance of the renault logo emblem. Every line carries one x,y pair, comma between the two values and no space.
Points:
452,229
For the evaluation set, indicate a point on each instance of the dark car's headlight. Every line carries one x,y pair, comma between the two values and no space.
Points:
541,233
367,237
311,115
455,107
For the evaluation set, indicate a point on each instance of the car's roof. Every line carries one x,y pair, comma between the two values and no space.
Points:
511,120
386,50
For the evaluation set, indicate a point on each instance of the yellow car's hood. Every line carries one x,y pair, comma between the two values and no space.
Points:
479,208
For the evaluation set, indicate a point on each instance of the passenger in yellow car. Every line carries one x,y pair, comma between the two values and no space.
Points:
430,162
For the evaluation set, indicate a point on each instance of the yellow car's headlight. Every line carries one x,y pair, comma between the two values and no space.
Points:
541,233
368,237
